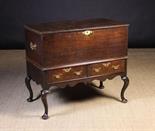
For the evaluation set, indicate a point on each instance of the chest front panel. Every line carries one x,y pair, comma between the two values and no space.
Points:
75,47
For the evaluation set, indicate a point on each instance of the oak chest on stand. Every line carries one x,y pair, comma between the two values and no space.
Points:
69,52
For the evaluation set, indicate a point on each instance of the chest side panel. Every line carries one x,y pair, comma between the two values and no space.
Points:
33,46
76,47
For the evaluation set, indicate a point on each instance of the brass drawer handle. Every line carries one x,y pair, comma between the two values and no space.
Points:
115,67
87,32
67,69
58,76
106,64
78,73
33,46
97,69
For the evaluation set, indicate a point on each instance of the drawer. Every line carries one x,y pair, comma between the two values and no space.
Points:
106,68
64,74
98,69
117,66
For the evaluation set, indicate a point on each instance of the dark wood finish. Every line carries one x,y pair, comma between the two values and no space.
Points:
34,73
67,74
126,83
73,25
69,52
106,68
36,39
80,47
28,85
44,100
117,66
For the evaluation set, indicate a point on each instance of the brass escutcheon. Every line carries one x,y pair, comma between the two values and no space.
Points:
87,32
57,76
78,73
106,64
67,69
97,69
33,46
115,67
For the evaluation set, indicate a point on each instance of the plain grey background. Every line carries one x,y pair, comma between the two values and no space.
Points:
140,14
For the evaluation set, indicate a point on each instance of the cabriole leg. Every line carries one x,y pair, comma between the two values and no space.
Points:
28,85
126,83
44,101
101,85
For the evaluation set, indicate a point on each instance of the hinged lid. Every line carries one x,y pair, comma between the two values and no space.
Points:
73,25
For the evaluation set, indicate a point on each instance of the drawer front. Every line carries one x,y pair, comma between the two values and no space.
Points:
64,74
87,45
117,66
106,68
